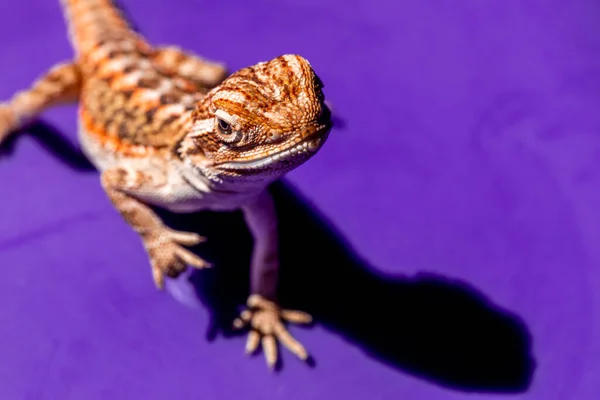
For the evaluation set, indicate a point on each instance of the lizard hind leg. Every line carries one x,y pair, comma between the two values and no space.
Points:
263,315
164,246
60,85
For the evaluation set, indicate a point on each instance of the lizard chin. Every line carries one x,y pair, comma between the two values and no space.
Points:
283,160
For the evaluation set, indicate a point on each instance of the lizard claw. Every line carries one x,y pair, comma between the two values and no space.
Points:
167,255
265,320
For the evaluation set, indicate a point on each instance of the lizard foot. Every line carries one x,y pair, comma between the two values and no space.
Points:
265,320
7,121
167,255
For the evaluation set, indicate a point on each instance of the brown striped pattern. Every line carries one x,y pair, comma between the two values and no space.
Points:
138,115
281,95
275,104
113,142
135,97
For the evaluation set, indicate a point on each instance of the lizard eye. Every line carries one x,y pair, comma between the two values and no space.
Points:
224,127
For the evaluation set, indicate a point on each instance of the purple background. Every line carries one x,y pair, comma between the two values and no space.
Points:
469,152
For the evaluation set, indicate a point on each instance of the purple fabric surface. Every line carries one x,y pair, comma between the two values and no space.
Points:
463,183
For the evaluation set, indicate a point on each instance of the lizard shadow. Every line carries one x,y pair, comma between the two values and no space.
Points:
52,141
440,330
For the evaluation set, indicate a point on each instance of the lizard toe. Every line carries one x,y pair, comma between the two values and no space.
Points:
266,321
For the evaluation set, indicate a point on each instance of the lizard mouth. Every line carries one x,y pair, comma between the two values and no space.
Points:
301,150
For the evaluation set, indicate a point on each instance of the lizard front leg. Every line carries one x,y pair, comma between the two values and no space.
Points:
60,85
164,245
263,314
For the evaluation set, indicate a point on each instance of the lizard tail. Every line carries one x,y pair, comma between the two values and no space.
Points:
91,22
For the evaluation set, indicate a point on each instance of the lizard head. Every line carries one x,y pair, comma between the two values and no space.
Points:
260,122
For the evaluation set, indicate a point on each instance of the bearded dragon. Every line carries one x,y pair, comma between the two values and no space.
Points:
167,128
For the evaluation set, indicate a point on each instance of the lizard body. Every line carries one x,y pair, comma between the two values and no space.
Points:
170,129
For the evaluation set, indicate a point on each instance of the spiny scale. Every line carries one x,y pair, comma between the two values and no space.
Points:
131,99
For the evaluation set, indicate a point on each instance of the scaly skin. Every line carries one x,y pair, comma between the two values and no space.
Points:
171,129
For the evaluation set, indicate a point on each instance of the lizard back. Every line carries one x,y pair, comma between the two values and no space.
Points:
129,102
